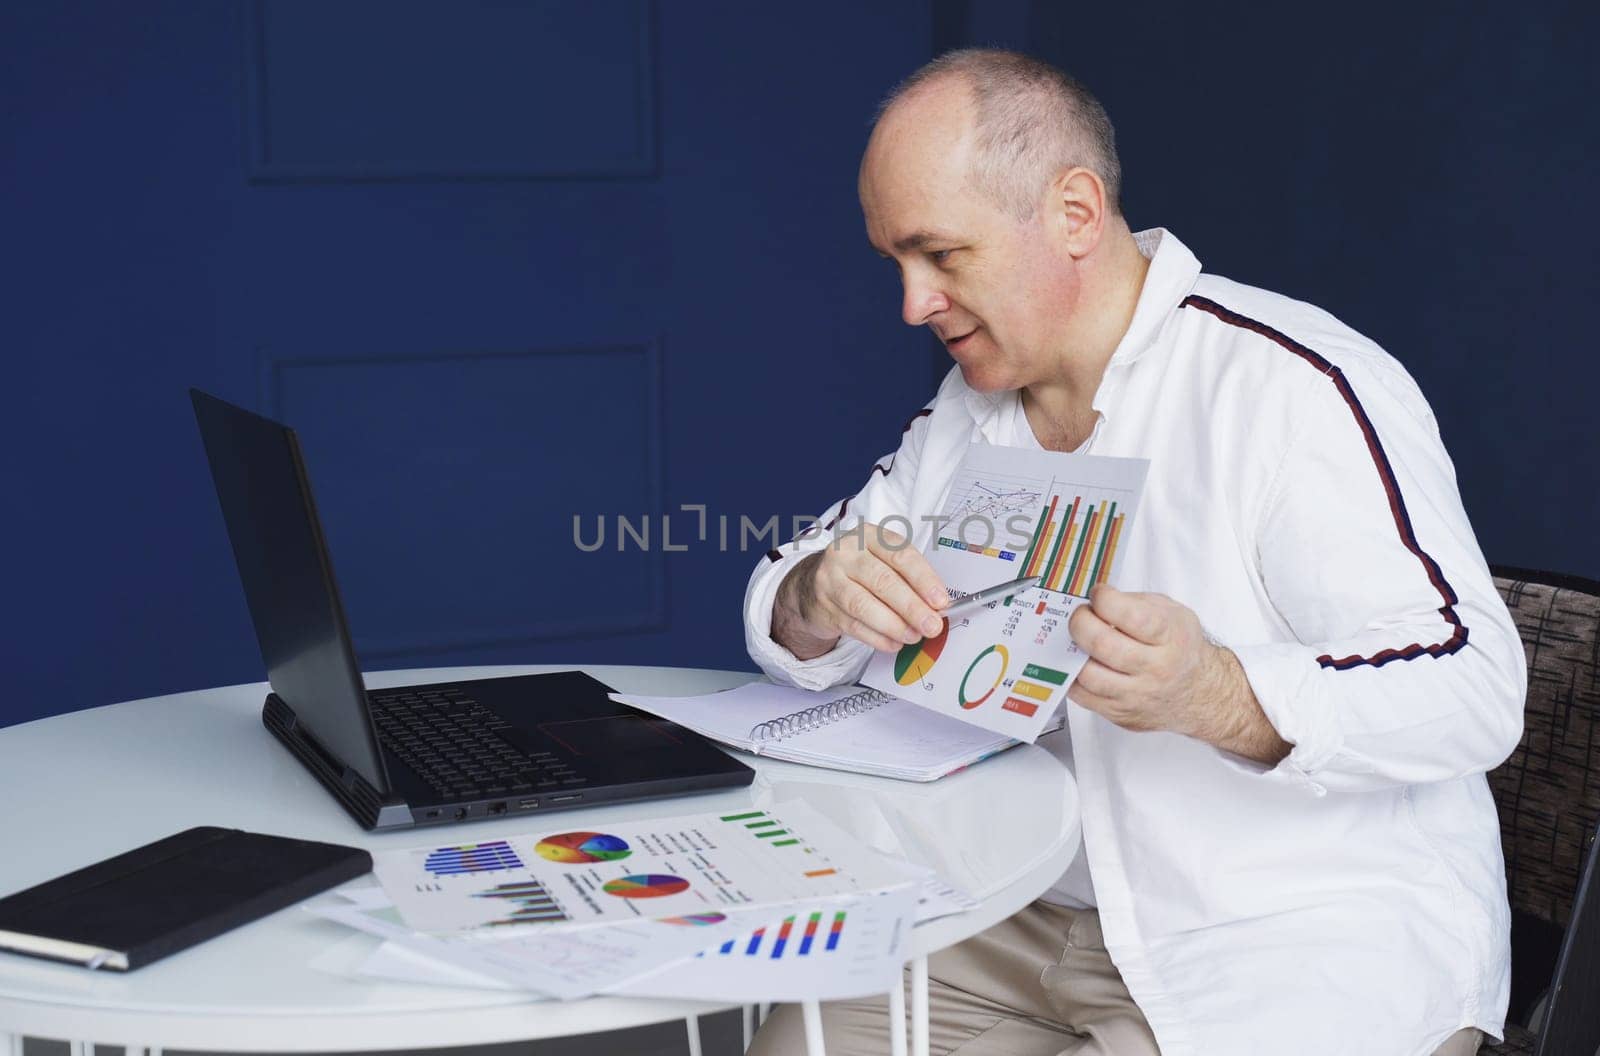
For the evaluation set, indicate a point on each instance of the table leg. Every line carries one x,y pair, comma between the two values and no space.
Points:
811,1011
919,1007
693,1025
897,1019
80,1048
748,1014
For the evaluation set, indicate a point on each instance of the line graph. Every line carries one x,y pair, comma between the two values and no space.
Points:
994,500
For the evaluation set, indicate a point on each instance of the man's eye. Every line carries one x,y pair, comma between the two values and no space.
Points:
939,255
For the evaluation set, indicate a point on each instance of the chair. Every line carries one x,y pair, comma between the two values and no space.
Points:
1548,795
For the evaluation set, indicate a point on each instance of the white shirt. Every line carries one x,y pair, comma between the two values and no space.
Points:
1351,899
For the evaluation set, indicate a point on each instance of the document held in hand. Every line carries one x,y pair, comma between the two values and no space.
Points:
1013,513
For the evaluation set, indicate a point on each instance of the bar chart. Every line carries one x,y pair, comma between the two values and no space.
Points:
1074,543
822,950
526,901
473,858
795,936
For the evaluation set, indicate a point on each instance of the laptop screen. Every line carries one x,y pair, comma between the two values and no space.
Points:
288,579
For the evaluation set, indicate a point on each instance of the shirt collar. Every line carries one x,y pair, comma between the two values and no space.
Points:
1171,278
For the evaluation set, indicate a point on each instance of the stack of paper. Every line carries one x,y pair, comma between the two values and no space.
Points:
768,905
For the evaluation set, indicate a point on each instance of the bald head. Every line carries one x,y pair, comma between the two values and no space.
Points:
1019,123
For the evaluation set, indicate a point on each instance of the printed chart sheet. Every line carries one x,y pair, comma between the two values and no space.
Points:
1013,513
683,867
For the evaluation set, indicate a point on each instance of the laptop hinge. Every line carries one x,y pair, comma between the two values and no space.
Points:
354,792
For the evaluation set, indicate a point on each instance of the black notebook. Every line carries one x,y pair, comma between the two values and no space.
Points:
166,896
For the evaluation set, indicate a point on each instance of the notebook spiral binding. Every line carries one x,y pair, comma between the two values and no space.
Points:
808,719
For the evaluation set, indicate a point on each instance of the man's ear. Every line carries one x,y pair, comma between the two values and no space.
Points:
1077,210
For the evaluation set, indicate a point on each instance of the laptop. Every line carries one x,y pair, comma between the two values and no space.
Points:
429,754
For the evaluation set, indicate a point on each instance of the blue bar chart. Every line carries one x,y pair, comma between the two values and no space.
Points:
473,858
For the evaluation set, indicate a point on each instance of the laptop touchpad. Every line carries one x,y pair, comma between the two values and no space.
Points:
612,735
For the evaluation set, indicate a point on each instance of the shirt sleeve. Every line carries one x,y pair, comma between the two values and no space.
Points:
1406,666
886,495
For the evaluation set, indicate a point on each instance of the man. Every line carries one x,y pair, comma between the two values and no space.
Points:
1280,737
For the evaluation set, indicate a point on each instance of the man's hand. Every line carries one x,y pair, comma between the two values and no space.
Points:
1151,667
870,584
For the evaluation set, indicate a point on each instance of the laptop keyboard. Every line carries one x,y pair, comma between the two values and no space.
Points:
452,743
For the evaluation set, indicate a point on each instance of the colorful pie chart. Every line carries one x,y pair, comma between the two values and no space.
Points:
983,675
913,662
646,885
697,920
576,848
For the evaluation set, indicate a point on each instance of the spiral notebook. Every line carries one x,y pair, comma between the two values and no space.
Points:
847,728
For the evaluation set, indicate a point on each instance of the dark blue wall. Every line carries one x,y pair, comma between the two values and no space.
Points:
499,264
504,264
1427,173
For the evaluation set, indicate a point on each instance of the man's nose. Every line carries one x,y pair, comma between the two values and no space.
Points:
921,301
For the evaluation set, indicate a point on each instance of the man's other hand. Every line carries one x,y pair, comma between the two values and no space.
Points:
870,583
1151,667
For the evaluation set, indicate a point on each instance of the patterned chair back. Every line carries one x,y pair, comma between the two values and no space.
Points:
1548,791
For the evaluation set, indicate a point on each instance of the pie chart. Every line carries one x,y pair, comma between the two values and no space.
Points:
983,675
913,662
576,848
646,885
696,920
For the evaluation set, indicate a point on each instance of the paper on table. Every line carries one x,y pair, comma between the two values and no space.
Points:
404,957
937,897
563,964
1010,513
840,948
373,897
668,867
401,964
825,951
363,955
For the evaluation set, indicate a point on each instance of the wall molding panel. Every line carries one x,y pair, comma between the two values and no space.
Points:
447,482
380,90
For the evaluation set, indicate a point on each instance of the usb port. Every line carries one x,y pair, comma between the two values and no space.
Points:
527,804
568,798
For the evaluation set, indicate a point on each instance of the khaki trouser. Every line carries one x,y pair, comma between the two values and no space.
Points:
1013,990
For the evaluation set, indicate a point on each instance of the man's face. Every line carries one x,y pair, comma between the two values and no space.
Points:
997,292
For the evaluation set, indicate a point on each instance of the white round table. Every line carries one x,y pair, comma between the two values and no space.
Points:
83,786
